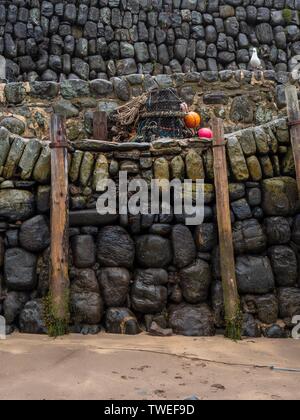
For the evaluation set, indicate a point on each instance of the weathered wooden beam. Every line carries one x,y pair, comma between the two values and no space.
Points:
58,305
99,146
293,112
100,131
230,291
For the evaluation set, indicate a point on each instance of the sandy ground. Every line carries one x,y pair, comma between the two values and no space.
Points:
143,367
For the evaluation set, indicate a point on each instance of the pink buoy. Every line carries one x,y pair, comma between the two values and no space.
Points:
205,133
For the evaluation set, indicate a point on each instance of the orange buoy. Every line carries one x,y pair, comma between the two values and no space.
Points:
192,120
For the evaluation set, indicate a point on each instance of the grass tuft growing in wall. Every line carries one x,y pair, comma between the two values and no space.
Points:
56,327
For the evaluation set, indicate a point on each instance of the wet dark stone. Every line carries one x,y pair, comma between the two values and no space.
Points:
149,294
254,275
20,269
114,284
16,204
184,247
248,237
32,318
206,237
195,281
153,251
265,307
192,320
296,230
115,247
275,331
160,229
121,321
34,234
84,251
217,301
11,238
241,209
285,266
250,327
254,197
13,305
279,196
278,230
289,302
91,218
85,300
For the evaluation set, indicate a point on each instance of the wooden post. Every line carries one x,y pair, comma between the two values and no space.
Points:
293,112
231,297
58,302
100,126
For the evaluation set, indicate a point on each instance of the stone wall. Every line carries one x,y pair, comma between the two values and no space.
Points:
89,39
127,272
237,97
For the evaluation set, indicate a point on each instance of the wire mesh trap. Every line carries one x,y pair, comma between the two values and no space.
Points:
162,116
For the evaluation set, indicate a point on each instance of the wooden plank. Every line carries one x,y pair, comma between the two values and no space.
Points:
230,291
100,126
293,112
59,277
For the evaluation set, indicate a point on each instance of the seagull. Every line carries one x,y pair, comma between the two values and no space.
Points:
256,66
255,62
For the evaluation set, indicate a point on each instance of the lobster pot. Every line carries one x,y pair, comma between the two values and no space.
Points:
162,116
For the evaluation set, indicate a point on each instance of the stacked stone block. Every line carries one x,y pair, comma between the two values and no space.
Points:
128,271
54,40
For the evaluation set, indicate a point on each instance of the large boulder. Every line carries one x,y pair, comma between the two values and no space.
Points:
121,321
289,302
192,320
84,251
31,319
16,204
280,196
183,246
115,248
114,284
13,305
265,307
254,275
285,266
278,230
34,234
85,300
195,281
20,269
153,251
248,237
149,294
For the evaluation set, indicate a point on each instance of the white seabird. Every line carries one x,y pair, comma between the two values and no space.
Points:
255,62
